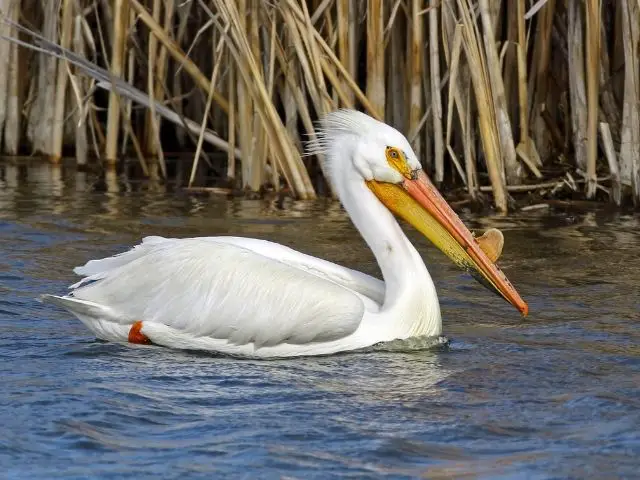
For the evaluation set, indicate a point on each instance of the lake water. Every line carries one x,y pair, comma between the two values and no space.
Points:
554,396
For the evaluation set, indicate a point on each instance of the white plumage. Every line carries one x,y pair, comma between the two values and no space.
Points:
213,276
251,297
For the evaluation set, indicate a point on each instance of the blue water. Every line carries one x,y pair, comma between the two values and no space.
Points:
553,396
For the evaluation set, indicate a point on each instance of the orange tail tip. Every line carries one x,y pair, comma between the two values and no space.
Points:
136,336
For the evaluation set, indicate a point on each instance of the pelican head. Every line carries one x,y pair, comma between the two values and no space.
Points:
359,148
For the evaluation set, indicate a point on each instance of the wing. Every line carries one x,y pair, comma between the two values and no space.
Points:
362,283
220,290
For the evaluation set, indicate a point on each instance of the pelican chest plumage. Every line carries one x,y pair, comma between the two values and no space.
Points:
255,298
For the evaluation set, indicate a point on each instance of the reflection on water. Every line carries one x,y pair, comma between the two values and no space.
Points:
552,396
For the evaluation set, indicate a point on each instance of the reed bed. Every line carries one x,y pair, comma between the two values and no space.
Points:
496,97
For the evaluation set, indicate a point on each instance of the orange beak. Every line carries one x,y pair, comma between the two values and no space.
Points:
418,202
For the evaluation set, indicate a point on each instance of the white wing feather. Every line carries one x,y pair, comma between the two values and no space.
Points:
364,284
216,289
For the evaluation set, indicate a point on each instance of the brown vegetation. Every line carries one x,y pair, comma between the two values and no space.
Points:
499,96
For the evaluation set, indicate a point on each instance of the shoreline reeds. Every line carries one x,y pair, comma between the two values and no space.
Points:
495,97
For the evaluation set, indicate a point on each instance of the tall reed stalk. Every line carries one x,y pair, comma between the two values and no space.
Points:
120,30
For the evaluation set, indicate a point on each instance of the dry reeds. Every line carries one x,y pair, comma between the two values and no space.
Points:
494,96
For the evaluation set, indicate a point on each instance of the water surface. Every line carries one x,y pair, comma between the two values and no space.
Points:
554,396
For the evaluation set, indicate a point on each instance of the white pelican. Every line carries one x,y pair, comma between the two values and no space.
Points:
255,298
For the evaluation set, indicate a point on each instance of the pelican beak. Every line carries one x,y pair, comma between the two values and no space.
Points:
418,202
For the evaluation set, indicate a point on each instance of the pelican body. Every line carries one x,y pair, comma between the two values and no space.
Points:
255,298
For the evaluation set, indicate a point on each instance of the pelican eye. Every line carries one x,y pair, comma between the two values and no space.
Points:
398,161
